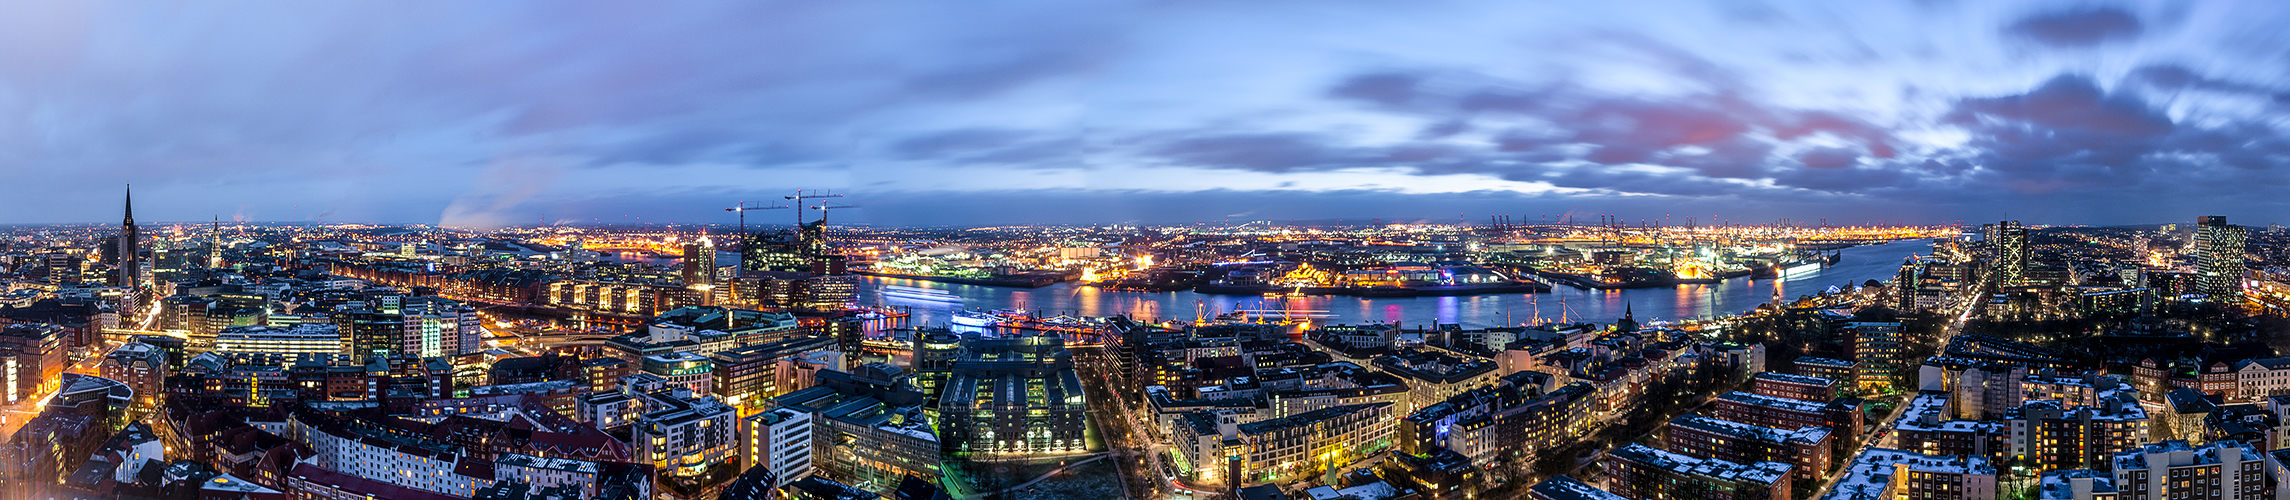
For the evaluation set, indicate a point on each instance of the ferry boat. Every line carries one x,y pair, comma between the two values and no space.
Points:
1800,269
975,319
921,294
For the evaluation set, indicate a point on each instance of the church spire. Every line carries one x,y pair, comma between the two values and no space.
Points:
129,251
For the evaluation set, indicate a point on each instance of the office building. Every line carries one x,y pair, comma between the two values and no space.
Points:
438,327
1015,395
683,369
303,339
2218,259
750,376
778,440
31,360
868,427
142,367
684,434
700,263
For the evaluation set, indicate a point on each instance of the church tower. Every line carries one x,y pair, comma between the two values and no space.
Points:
130,252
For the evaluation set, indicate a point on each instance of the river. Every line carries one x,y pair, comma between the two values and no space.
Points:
1859,264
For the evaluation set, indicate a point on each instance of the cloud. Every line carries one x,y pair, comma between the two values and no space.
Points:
498,195
2078,28
500,113
2069,102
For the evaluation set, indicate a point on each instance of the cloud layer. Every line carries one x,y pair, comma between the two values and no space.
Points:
1037,111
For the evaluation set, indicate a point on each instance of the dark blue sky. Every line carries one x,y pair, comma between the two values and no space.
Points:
487,113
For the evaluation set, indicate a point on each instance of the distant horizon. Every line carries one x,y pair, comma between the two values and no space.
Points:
1320,222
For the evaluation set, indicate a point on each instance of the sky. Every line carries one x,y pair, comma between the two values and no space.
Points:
483,114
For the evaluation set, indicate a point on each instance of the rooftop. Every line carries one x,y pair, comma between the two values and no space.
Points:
1774,402
1803,435
1566,488
1870,473
1760,472
1797,379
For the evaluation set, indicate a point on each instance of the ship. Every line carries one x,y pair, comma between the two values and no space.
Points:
976,319
920,294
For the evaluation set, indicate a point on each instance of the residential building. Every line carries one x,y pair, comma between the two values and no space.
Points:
1566,488
2076,484
1311,442
1887,474
1640,471
1829,368
1875,354
1783,385
2223,470
1841,417
1433,376
1807,448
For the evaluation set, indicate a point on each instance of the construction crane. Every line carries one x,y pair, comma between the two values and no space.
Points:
743,209
823,208
799,197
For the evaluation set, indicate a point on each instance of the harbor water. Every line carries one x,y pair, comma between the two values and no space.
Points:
1858,265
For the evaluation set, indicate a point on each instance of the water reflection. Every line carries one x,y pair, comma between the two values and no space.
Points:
1654,304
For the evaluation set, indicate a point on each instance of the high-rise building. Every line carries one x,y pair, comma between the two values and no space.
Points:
700,262
1876,354
2012,254
1905,285
2218,258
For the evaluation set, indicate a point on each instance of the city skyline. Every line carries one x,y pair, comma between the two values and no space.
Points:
486,115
